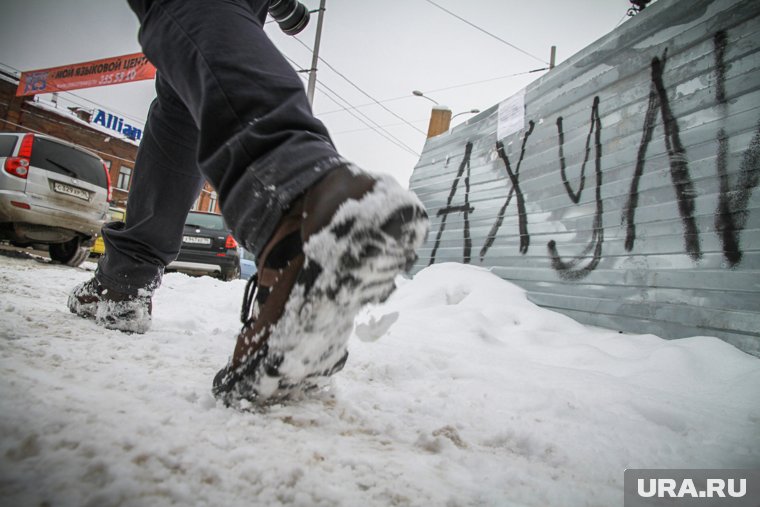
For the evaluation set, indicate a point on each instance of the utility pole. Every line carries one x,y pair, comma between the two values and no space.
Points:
315,55
552,57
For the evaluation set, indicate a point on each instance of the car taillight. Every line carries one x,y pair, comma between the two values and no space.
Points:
19,166
230,243
108,182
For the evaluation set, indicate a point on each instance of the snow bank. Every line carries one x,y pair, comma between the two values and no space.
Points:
458,391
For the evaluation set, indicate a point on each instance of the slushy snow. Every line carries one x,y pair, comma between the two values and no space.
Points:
458,391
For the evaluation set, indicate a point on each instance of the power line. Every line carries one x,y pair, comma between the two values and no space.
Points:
366,104
110,108
355,113
375,101
352,110
375,126
378,129
486,32
621,20
369,128
460,85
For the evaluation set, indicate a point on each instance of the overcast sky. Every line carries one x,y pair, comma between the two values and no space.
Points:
386,49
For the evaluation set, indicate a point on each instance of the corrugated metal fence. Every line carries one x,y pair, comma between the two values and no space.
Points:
621,188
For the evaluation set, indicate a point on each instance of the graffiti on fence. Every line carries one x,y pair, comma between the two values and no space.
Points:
568,270
731,213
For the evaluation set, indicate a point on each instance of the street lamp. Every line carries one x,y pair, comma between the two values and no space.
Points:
440,118
418,93
471,111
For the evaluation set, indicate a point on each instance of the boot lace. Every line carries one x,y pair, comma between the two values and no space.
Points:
249,297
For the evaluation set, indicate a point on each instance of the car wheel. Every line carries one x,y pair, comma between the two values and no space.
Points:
71,253
232,274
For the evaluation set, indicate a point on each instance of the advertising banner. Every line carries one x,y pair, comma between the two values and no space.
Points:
108,71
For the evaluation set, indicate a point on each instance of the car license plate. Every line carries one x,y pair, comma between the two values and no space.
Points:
195,240
62,188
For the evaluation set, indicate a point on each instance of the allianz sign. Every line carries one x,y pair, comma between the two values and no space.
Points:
117,124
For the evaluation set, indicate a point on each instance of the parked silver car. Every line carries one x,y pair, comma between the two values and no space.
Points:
53,195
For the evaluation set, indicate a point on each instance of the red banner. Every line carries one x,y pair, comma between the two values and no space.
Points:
120,69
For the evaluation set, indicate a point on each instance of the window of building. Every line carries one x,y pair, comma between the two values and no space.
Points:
212,202
125,177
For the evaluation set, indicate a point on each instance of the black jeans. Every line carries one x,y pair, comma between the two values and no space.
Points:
230,109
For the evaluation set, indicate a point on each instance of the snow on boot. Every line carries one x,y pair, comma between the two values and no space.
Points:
338,247
111,309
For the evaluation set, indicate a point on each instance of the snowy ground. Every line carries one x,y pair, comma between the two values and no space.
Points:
473,396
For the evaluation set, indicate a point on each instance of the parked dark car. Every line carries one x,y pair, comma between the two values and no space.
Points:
208,248
53,195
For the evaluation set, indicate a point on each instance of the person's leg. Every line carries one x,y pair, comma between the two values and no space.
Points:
260,146
328,237
166,183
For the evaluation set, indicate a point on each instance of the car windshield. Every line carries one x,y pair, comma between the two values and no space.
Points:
205,221
63,159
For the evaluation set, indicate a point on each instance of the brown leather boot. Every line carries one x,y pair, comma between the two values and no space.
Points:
339,246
